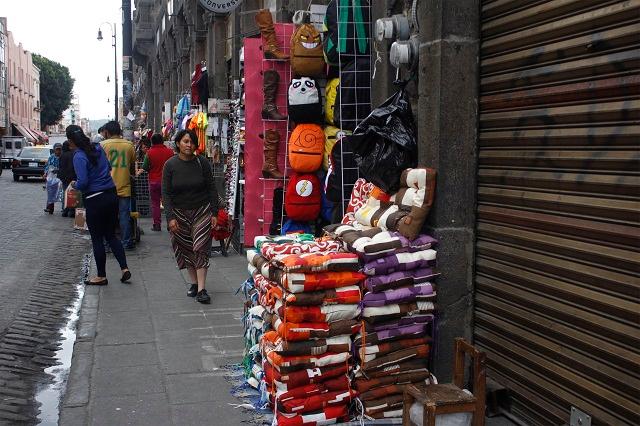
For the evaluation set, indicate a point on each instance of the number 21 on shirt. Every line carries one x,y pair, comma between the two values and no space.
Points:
118,159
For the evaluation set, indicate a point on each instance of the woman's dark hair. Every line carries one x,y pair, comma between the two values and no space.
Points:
180,135
157,139
77,136
145,141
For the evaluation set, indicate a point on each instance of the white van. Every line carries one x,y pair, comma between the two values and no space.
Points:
10,146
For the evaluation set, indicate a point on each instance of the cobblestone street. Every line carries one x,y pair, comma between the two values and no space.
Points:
40,264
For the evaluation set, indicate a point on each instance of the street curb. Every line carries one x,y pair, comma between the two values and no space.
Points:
74,408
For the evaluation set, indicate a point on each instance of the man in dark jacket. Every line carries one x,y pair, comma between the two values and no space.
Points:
66,173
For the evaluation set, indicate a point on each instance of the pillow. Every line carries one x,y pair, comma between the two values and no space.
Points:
407,294
371,352
331,385
386,403
382,391
364,385
399,279
412,366
400,262
317,262
287,364
383,313
375,337
403,355
310,403
260,262
270,250
258,241
298,282
328,415
327,313
399,322
292,332
359,195
332,296
286,382
271,340
415,195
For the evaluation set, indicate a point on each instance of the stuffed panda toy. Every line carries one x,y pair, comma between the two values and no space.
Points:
304,102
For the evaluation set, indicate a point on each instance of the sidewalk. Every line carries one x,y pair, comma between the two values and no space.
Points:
146,354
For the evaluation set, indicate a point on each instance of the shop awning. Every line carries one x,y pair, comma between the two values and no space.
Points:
42,136
24,132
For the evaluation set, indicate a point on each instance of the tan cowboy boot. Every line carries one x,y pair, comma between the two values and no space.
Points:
270,165
269,42
270,80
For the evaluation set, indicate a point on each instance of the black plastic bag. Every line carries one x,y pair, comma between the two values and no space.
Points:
385,143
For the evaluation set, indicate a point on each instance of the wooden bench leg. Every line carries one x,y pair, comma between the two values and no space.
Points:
430,415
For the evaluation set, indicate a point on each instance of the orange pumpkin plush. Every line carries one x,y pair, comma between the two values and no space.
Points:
307,58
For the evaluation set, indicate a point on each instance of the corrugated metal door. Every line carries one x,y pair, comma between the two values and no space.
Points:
557,272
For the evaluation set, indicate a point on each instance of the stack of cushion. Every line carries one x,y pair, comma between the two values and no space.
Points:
312,290
398,303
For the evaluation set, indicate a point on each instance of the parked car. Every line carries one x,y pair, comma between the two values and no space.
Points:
31,161
9,148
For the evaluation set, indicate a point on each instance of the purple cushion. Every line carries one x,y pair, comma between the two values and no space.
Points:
400,262
399,279
399,295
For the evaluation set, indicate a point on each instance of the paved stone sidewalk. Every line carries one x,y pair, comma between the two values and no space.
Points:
146,354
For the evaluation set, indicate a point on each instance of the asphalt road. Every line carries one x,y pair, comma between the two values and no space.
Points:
28,240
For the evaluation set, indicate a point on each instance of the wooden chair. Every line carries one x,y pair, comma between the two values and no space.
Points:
449,398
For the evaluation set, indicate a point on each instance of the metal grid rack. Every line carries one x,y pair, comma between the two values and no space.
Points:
356,59
142,196
283,68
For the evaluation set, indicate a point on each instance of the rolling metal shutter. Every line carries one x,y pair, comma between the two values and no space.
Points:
557,266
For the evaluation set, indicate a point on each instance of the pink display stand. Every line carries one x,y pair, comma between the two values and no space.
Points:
258,197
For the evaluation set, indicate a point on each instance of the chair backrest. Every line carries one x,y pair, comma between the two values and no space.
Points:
478,361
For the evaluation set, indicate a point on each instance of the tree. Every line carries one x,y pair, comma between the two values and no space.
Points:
56,87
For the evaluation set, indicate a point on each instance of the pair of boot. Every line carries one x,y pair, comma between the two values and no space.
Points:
49,208
271,79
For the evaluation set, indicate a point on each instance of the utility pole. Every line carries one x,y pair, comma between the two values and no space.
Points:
127,70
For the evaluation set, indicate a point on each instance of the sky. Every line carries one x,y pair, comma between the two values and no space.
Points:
66,31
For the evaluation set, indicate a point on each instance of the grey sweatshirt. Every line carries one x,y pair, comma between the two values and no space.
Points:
188,185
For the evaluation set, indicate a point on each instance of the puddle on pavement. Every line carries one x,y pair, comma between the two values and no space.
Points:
50,394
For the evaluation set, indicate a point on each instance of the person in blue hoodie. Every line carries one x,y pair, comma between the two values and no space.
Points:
100,199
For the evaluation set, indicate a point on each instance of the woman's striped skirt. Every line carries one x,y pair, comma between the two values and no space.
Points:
192,242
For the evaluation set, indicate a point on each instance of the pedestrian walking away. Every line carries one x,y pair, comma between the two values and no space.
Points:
122,158
100,202
153,163
51,176
191,206
67,174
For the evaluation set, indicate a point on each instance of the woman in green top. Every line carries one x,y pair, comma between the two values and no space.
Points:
190,202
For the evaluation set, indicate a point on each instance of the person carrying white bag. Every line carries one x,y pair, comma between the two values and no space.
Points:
53,185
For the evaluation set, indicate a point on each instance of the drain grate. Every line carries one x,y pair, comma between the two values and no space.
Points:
29,344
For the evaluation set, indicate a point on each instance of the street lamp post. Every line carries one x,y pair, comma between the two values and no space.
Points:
115,62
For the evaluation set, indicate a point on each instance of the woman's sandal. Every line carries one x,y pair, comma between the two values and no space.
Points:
101,282
126,276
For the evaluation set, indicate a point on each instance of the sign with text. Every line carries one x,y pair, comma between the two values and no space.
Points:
220,6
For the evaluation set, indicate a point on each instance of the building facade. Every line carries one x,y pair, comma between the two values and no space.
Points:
529,111
24,92
4,85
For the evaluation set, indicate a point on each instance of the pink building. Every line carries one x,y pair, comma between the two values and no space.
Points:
24,92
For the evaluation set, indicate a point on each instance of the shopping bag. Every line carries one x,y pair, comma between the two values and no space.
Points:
385,143
72,198
80,221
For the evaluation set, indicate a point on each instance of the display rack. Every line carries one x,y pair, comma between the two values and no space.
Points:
283,67
361,105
